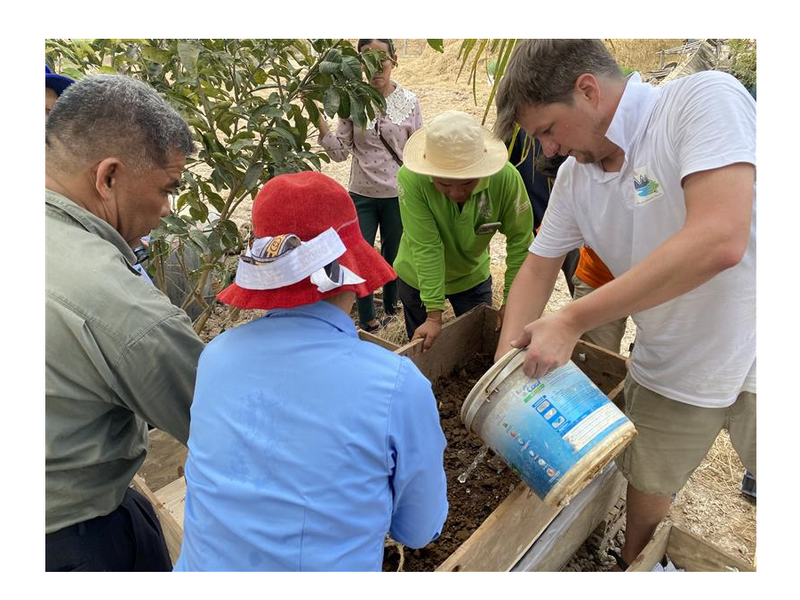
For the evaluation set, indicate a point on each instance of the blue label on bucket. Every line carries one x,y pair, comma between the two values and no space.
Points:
542,427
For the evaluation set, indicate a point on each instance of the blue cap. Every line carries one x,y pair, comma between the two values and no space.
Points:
56,82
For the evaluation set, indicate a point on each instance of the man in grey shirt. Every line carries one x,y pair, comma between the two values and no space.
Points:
118,354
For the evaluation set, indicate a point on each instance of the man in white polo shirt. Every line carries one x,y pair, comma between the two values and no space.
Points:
661,184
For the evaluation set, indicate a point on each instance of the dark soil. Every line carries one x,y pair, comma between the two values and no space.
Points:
474,500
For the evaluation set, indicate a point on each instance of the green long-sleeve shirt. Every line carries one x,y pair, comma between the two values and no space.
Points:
440,252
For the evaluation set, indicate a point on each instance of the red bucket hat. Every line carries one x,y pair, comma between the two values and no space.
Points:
307,246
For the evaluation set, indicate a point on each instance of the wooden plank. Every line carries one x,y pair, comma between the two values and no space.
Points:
173,533
459,340
574,524
604,367
655,549
490,335
173,497
504,536
691,553
371,337
617,395
164,461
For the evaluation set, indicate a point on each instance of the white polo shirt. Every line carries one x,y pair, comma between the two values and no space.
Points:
699,348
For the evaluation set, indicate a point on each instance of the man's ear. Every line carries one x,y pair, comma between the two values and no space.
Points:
588,87
106,174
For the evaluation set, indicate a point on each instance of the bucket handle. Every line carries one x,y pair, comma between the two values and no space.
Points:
509,367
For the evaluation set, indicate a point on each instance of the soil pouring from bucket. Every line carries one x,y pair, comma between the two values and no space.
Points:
557,433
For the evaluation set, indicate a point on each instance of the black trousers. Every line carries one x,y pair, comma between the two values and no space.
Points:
383,213
414,311
127,539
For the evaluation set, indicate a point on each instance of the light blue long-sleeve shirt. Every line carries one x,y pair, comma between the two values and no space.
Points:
306,447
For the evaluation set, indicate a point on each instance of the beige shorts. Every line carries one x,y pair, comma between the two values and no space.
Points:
673,438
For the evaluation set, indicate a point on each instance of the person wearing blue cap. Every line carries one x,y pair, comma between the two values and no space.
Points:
54,85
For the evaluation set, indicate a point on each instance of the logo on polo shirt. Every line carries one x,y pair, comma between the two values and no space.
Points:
646,186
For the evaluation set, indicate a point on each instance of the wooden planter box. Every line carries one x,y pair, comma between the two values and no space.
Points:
505,536
686,551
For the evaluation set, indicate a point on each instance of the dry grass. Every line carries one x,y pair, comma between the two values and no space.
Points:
639,55
712,506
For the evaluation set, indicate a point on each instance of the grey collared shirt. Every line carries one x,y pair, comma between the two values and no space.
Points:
118,355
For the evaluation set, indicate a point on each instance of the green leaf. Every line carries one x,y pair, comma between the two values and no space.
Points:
501,68
216,201
284,133
189,53
328,68
257,115
156,55
351,68
260,76
199,212
344,107
198,238
331,101
357,111
252,176
312,110
175,225
186,198
189,177
437,45
72,73
238,145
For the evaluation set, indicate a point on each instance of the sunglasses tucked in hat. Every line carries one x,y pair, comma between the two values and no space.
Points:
57,83
454,146
308,246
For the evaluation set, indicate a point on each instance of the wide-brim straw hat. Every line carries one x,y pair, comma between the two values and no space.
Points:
454,146
311,209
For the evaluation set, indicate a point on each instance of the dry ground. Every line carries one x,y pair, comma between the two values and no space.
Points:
711,504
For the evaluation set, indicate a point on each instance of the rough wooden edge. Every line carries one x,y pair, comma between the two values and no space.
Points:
691,553
604,367
574,524
173,497
370,337
504,536
173,533
490,335
655,549
458,341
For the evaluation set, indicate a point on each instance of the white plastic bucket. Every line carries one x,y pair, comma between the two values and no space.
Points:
557,433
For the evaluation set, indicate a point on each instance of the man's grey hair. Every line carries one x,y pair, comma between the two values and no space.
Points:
114,115
544,72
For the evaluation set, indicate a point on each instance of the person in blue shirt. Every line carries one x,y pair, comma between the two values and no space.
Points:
307,445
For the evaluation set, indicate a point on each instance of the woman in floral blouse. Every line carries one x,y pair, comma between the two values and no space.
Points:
377,155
